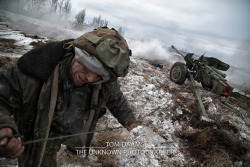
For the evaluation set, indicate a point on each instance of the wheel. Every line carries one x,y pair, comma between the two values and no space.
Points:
178,73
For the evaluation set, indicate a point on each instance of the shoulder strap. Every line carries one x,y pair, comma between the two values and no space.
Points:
54,92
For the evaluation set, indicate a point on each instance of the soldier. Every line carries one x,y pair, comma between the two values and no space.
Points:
62,88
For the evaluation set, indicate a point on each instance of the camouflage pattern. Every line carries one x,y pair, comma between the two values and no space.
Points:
20,94
108,46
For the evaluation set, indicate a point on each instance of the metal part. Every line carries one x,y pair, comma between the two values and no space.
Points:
205,70
197,96
178,73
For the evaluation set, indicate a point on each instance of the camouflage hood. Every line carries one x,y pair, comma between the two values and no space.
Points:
92,64
109,47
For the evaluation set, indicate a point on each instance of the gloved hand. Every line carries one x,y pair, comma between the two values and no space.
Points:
10,148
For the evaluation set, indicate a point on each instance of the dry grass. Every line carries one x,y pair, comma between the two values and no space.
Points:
36,44
8,45
211,145
4,60
101,140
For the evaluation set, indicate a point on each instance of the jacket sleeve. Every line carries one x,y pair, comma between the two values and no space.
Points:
10,97
118,105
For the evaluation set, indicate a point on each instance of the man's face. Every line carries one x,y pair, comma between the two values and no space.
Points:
81,75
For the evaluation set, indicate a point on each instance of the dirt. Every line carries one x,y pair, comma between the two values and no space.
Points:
210,143
213,143
32,36
39,40
37,44
216,143
4,60
100,141
8,45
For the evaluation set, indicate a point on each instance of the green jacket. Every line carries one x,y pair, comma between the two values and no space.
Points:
27,96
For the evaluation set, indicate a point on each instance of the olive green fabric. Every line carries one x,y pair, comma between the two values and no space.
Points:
109,47
114,57
218,64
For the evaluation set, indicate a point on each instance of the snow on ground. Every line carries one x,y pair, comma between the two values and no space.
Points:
54,29
169,131
15,43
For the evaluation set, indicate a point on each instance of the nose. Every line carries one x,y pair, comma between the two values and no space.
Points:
92,77
89,78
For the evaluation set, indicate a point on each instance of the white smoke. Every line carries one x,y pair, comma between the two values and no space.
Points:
152,50
48,26
238,74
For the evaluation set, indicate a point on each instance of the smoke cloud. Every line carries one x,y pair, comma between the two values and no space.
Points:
151,50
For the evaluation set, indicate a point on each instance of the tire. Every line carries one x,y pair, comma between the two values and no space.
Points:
178,73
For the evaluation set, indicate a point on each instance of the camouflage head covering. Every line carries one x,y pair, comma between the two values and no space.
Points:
92,64
109,47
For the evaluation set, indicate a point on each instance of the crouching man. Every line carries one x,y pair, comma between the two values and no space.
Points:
62,88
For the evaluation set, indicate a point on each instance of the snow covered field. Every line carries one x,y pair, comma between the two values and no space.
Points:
169,131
